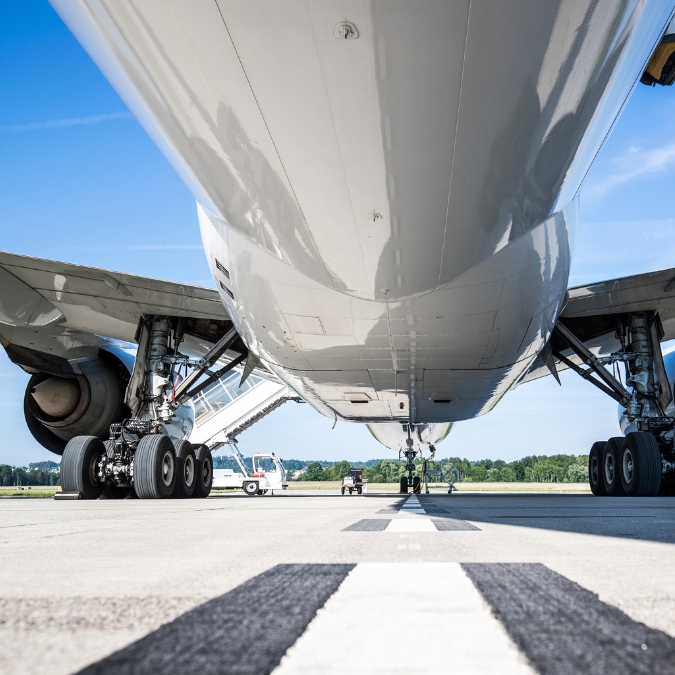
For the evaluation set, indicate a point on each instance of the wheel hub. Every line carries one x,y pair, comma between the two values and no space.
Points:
167,468
609,469
189,470
595,471
628,465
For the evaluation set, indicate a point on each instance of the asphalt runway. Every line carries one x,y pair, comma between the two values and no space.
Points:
307,582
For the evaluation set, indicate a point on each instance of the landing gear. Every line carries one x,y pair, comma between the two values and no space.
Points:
186,470
403,485
155,467
595,469
115,492
140,457
111,490
611,459
638,464
203,472
79,466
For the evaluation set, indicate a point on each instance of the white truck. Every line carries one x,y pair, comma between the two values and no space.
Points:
268,474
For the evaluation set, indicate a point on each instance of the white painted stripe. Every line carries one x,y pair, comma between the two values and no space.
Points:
413,511
361,628
405,525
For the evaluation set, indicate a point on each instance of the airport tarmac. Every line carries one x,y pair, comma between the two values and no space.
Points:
307,582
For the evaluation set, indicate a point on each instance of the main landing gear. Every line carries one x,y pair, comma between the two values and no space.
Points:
141,459
629,466
641,464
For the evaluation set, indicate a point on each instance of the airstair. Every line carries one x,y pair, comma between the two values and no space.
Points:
224,409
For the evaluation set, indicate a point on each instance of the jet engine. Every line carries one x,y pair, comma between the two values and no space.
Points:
58,408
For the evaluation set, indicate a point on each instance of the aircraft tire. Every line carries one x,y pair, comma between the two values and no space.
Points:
595,469
611,462
417,485
155,467
186,467
203,472
640,465
78,466
404,485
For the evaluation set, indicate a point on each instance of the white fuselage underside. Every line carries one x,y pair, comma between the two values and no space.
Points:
389,219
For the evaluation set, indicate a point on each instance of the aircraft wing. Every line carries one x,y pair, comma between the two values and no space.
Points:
591,312
43,293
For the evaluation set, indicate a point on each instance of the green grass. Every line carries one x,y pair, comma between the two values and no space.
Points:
30,491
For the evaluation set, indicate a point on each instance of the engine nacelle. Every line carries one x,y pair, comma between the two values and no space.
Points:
60,408
394,435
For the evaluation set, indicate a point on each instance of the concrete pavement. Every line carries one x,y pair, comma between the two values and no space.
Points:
80,581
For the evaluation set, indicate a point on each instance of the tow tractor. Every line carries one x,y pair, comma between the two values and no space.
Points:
268,474
354,482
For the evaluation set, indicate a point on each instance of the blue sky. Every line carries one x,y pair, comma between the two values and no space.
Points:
81,181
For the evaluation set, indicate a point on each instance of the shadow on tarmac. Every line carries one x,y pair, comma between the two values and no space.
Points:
646,518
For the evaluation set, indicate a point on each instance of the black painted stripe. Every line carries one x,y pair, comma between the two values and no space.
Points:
245,631
564,629
453,525
369,525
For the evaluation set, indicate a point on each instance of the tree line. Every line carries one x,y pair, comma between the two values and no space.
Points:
36,473
534,469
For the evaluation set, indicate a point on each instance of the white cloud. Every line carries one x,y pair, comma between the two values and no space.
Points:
61,124
634,163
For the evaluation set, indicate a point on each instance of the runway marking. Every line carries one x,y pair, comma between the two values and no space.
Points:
453,525
410,526
247,630
369,525
565,629
362,628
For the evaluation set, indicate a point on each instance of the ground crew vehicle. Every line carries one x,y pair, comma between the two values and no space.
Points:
268,474
354,482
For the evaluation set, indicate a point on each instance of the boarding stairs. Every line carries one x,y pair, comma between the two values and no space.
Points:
224,409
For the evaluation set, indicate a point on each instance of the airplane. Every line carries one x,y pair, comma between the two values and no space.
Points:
387,194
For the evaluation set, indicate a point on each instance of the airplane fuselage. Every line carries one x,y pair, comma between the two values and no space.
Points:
389,217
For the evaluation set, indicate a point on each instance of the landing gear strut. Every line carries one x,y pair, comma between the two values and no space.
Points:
410,481
140,456
634,465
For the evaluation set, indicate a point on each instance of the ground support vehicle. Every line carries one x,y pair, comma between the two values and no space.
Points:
268,474
354,482
447,472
